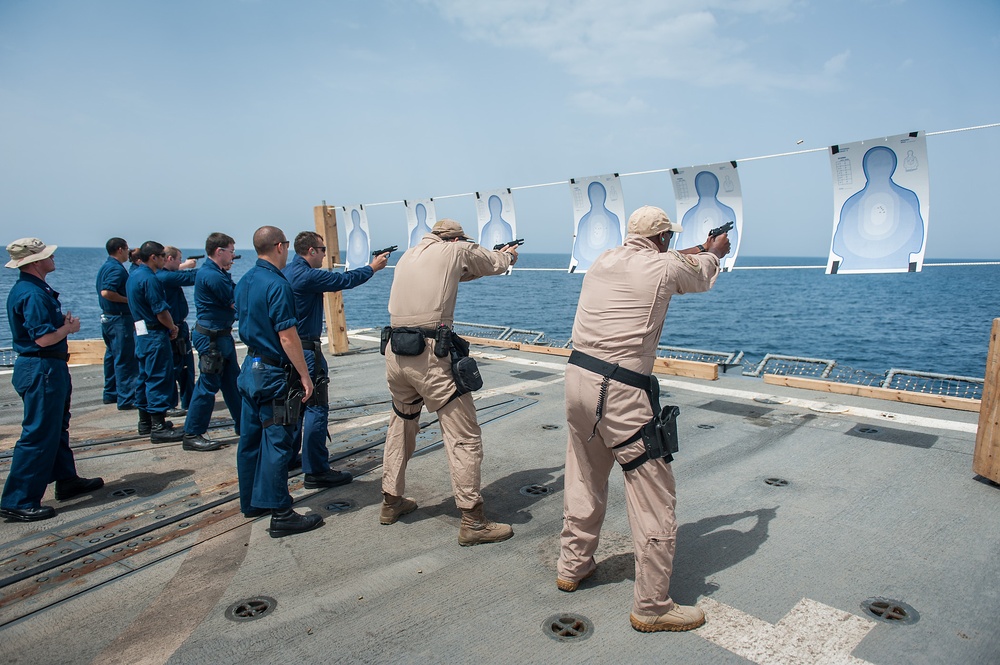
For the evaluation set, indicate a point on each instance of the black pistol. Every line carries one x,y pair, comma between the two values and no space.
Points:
236,257
196,256
387,250
725,228
512,243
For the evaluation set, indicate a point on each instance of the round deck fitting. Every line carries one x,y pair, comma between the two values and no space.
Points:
888,610
776,482
535,490
568,627
251,609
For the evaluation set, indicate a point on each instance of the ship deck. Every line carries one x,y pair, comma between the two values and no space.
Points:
797,510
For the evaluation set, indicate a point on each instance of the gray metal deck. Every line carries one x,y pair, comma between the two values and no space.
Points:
866,500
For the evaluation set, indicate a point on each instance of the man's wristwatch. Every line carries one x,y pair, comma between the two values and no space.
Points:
701,248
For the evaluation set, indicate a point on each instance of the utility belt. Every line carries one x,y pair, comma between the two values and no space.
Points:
211,361
46,353
659,435
313,345
411,342
286,409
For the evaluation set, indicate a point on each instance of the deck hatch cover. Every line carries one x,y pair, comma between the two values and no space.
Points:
251,608
567,627
736,409
892,435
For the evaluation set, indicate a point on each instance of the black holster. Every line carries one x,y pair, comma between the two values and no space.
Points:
181,346
212,361
321,392
286,409
384,339
464,369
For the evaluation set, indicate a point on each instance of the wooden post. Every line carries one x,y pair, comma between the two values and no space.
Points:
336,323
986,460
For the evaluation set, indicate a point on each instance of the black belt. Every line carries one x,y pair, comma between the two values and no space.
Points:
267,360
313,345
615,372
46,353
210,333
426,332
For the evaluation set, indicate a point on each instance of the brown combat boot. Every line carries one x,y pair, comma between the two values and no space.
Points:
476,529
394,507
680,618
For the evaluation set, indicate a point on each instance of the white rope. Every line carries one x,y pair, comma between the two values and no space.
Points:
625,175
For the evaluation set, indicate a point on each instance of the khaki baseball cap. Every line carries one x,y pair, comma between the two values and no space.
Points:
649,221
28,250
447,229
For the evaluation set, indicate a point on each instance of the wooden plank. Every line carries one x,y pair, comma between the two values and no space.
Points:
86,351
336,321
986,459
671,366
908,397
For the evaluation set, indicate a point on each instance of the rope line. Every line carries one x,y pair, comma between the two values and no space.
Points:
625,175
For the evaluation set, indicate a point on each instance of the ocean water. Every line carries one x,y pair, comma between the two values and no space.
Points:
935,321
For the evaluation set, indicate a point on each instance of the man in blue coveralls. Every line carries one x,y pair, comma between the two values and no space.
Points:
175,275
309,283
269,386
213,337
41,377
120,367
155,331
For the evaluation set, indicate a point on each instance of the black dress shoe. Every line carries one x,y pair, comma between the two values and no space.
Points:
199,443
28,514
288,522
74,487
255,512
331,478
176,413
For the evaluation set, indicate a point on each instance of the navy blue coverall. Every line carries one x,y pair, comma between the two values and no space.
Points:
117,329
173,281
309,284
154,350
265,305
42,455
213,301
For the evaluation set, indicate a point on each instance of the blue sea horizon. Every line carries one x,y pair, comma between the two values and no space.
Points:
937,320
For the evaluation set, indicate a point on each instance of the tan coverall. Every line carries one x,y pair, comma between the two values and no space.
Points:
424,289
621,312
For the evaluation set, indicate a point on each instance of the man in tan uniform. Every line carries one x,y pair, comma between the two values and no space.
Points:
619,319
422,298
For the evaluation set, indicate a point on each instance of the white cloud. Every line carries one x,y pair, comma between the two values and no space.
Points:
700,42
592,102
836,64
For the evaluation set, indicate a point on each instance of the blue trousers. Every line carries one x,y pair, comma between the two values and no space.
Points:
311,433
42,454
183,369
156,371
120,366
203,398
263,453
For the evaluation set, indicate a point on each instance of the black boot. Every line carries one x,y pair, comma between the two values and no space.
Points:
145,424
288,522
199,443
160,432
74,487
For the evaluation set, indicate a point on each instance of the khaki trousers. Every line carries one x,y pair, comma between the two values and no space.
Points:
650,500
426,380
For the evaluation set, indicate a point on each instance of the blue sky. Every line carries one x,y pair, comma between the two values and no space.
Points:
171,119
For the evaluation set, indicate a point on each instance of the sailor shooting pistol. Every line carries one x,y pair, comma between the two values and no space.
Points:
387,250
725,228
512,243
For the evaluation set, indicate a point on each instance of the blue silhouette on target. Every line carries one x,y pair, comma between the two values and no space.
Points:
599,229
421,229
496,230
880,226
709,213
357,243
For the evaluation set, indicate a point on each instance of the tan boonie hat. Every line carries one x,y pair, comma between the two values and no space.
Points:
28,250
447,229
649,221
